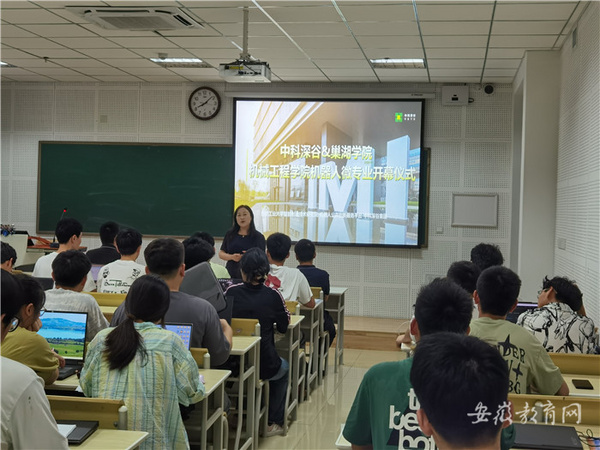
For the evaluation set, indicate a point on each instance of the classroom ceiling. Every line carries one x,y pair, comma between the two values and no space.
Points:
303,41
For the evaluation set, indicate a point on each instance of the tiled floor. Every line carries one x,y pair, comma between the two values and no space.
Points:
319,419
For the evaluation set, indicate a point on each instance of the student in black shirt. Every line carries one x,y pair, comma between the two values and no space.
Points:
253,300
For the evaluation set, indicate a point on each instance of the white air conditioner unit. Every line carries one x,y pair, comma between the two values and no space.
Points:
245,72
139,19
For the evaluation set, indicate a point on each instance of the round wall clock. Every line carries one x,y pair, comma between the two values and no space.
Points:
204,103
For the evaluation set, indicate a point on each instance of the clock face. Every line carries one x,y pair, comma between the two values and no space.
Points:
204,103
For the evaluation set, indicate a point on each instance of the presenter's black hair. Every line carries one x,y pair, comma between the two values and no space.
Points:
164,256
278,245
498,288
486,255
255,265
108,232
465,274
148,300
70,268
8,253
451,375
66,229
33,291
128,241
305,250
443,305
197,251
566,291
12,297
204,236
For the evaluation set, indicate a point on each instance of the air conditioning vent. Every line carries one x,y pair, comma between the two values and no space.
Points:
137,19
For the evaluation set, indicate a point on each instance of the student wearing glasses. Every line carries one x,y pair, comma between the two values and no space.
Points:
25,345
559,322
27,421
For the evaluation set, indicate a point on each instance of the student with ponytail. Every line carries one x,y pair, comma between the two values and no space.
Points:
253,300
146,366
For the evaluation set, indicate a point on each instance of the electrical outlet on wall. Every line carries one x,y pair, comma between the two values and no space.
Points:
561,243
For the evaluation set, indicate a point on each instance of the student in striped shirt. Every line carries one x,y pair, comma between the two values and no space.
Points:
146,366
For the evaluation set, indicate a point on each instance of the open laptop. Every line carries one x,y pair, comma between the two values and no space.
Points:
184,330
65,332
201,281
520,309
551,437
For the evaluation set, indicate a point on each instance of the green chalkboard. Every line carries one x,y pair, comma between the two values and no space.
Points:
158,189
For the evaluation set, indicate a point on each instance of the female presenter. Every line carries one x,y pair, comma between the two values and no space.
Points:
241,237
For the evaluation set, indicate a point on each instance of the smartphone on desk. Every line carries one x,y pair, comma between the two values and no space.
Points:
582,384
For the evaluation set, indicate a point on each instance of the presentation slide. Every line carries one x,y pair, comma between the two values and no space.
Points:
332,171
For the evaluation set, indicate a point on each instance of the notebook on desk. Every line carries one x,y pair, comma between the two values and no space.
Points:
65,332
83,430
551,437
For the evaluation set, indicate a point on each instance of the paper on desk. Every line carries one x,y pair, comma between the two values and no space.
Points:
65,429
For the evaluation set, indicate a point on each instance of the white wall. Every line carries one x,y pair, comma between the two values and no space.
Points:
471,148
536,95
578,188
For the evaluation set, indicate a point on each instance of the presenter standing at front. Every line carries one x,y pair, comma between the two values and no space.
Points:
241,237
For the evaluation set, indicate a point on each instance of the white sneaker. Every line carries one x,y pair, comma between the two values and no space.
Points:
274,430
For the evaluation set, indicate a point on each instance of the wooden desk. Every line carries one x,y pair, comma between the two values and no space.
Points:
102,439
573,391
577,363
312,326
289,349
336,305
248,349
208,415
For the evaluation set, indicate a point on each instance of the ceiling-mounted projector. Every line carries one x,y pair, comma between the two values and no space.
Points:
241,71
245,69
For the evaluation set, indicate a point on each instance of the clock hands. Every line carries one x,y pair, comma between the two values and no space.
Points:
202,104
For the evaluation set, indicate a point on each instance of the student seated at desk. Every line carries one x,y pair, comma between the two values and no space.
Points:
146,366
27,421
69,271
253,300
117,276
292,284
559,322
107,253
9,257
530,365
196,251
384,412
462,387
305,255
24,344
164,257
68,233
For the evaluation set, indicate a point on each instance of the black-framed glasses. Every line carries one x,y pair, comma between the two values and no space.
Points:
14,324
42,312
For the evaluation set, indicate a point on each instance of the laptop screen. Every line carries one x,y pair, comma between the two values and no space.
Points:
65,332
520,308
184,330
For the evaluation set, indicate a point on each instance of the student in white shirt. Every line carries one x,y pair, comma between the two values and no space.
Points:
118,276
27,421
68,233
291,283
69,271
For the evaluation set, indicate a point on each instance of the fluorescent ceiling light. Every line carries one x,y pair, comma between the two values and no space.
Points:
180,62
390,63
